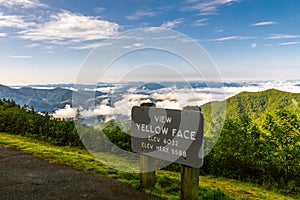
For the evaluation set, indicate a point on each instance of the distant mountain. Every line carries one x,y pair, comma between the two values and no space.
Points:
47,100
151,86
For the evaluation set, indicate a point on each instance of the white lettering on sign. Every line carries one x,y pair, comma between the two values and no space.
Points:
153,139
162,149
147,145
150,129
163,119
186,134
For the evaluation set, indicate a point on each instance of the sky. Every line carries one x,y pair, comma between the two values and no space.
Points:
48,41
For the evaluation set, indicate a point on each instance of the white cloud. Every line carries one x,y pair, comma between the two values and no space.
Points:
32,45
169,96
72,27
254,45
142,13
91,46
22,3
134,45
171,24
207,7
282,36
21,57
2,34
14,21
103,110
67,112
168,104
288,43
200,22
266,23
166,25
232,38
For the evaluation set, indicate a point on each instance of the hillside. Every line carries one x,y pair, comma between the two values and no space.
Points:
42,100
259,141
257,104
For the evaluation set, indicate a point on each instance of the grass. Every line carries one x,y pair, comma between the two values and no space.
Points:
168,183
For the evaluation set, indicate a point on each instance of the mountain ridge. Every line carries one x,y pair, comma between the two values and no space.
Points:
42,100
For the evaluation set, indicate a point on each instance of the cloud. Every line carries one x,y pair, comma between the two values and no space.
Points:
288,43
103,110
166,25
142,13
72,27
254,45
169,96
171,24
207,7
264,23
200,22
168,104
32,45
2,34
232,38
14,21
134,45
22,3
21,57
282,36
91,46
197,97
67,112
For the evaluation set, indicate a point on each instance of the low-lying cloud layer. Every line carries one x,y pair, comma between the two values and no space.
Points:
177,99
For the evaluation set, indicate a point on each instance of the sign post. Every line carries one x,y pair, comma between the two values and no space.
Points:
147,178
170,135
190,175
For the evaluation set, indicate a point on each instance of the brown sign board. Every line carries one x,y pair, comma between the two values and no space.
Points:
167,134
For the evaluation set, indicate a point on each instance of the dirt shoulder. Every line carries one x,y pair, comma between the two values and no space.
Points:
24,176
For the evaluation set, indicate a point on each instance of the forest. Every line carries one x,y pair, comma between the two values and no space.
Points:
259,142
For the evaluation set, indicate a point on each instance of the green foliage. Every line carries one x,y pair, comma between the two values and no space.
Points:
260,141
24,121
116,135
214,194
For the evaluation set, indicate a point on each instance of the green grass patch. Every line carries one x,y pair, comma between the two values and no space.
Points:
168,183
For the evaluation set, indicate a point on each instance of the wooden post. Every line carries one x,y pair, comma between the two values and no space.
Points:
147,179
189,183
190,175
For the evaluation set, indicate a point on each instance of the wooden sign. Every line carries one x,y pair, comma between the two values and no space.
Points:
172,135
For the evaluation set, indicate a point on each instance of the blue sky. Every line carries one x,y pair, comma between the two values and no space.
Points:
46,41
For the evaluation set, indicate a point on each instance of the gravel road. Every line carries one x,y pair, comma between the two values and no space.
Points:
24,176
